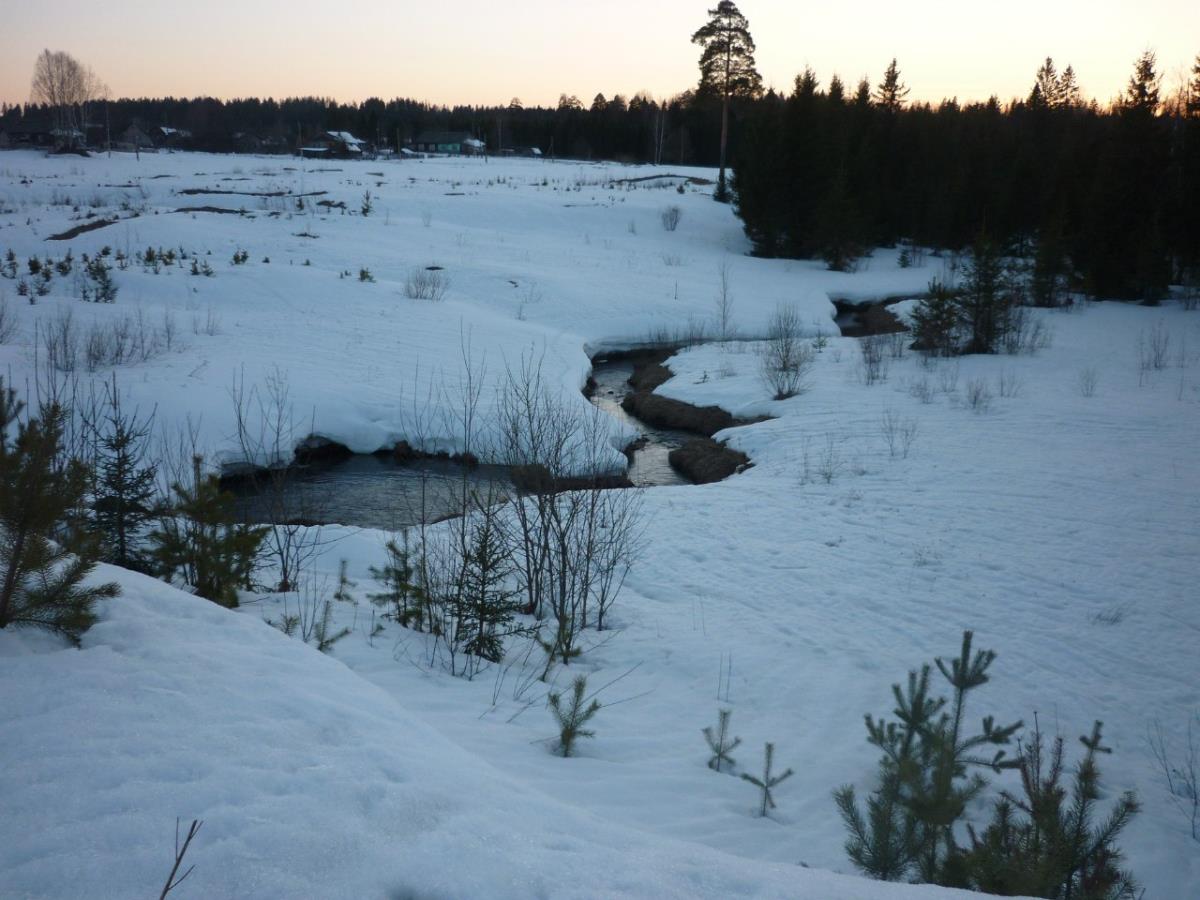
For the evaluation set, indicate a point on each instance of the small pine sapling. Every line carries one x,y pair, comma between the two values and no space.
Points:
1045,843
768,781
345,586
719,742
925,774
571,718
323,632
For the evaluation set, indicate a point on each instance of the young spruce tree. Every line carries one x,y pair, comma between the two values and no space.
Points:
125,482
199,540
45,554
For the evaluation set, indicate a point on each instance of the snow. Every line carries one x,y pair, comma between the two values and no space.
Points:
309,780
1060,527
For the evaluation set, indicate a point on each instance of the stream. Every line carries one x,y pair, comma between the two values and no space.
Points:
376,491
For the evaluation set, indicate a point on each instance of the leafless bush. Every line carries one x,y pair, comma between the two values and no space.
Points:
921,389
786,359
1025,334
210,324
426,217
8,321
170,331
948,379
426,284
670,217
60,342
1190,299
872,366
898,433
672,259
121,341
267,436
574,542
724,303
1087,380
1153,348
829,463
174,879
1182,771
897,343
979,395
1009,384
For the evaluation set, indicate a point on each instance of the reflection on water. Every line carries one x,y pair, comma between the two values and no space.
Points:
649,466
377,492
372,492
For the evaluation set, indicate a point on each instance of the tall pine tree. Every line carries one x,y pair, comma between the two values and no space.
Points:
727,68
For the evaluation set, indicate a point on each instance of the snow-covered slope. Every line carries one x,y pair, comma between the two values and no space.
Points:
1060,524
311,782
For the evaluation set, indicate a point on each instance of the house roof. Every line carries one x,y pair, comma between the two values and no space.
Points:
346,138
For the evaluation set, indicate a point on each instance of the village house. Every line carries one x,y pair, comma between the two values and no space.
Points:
454,143
334,144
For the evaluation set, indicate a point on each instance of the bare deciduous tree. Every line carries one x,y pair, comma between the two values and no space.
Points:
67,86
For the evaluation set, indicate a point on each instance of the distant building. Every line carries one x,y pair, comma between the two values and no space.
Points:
455,143
133,138
334,144
171,138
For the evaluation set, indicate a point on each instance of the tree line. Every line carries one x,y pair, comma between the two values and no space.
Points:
1106,195
680,130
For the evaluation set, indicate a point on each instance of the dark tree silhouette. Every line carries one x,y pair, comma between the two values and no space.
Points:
727,67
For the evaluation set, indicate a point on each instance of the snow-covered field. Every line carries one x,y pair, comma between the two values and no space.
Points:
1062,528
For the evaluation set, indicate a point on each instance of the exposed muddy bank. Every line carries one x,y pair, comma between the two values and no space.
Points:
704,460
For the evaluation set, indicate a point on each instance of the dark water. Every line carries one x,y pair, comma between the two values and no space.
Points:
377,492
372,492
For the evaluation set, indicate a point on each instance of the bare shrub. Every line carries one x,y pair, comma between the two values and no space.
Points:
921,389
897,343
829,462
724,303
121,341
1026,333
60,342
1087,380
872,365
898,433
786,359
573,542
948,379
670,217
210,324
267,436
1180,770
426,284
8,321
1009,384
979,395
1153,349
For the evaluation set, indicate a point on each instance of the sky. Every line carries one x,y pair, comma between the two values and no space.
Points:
487,52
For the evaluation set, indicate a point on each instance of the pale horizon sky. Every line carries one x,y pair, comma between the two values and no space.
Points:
480,52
